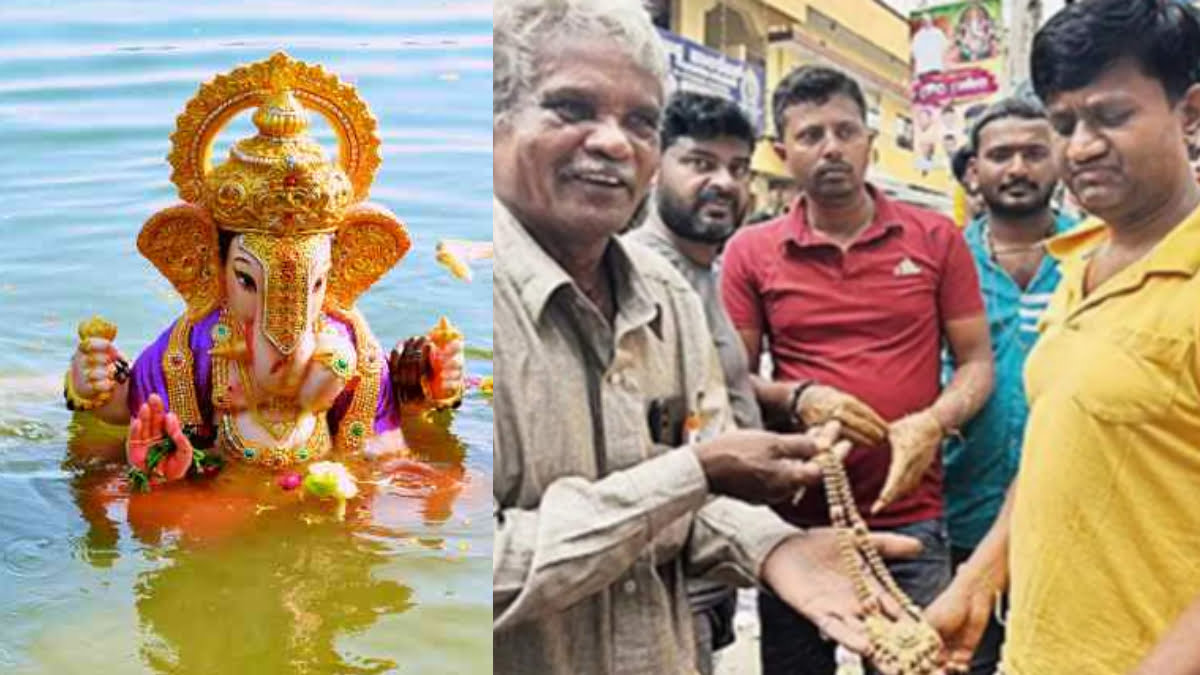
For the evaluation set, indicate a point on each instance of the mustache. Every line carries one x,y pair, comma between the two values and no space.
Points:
834,166
711,195
1074,170
1020,182
621,172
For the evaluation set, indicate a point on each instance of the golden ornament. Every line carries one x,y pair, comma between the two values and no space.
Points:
906,646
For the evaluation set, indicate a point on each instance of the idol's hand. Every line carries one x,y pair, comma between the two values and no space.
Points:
151,425
334,363
446,380
94,369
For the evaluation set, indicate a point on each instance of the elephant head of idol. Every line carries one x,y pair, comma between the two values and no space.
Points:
277,234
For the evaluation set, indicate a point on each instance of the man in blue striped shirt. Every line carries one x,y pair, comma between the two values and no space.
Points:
1015,172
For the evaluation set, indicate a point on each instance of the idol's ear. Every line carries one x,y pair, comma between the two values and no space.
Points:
181,241
369,242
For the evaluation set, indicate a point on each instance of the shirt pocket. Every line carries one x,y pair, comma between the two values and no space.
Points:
1129,375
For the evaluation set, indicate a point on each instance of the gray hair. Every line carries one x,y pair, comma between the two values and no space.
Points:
522,29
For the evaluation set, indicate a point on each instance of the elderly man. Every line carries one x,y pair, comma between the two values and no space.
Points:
609,402
700,198
1098,540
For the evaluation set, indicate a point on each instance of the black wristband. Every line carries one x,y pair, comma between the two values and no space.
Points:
794,399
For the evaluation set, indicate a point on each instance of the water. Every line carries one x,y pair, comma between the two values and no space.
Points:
92,581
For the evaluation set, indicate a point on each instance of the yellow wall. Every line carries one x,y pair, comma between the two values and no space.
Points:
866,17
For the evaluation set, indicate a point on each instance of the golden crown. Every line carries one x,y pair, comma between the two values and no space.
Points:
280,181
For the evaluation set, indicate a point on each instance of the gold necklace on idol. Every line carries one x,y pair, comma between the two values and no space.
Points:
278,417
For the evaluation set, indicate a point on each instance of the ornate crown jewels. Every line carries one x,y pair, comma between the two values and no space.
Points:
278,183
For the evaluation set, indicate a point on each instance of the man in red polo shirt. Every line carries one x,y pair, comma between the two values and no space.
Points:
855,295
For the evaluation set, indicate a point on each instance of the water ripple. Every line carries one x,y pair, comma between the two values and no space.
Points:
35,557
30,430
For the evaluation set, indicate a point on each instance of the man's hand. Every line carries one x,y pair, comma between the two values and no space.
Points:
916,439
861,425
960,615
804,571
761,467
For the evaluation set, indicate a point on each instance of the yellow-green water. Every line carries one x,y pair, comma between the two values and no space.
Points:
92,582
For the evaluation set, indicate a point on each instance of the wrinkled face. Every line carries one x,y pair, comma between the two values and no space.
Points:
275,286
1015,169
1123,151
703,187
574,158
826,148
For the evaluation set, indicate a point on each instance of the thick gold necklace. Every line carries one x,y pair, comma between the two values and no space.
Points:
907,646
233,444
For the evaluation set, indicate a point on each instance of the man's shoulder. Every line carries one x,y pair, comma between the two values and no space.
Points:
1079,240
922,219
653,267
651,240
761,234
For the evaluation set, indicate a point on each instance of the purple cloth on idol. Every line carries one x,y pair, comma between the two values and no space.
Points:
147,377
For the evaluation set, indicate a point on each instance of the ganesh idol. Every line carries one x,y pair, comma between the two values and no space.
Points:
271,364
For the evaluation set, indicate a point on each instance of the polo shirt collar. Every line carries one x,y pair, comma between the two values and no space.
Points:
802,235
1178,252
973,232
537,276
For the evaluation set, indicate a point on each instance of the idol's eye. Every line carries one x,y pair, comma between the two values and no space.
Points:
319,285
246,281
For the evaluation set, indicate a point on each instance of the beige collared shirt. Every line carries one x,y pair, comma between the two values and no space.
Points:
595,522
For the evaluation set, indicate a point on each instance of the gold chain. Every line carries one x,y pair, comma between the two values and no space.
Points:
233,444
908,646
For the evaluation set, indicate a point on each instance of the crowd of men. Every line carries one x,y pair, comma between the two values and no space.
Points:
1016,403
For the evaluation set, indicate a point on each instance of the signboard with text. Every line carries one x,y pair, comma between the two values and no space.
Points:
696,68
957,63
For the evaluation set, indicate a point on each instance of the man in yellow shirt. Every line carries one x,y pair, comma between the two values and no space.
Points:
1099,542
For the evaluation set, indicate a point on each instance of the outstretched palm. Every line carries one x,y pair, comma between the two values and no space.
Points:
151,426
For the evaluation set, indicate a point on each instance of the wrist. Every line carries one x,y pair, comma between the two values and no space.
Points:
407,367
795,397
76,402
773,562
937,420
949,415
980,578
